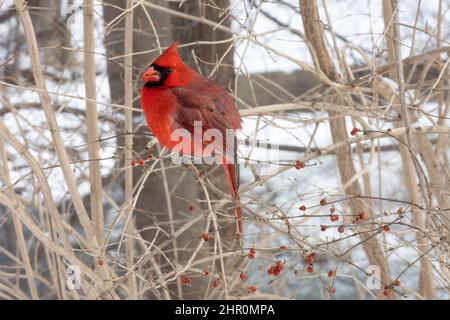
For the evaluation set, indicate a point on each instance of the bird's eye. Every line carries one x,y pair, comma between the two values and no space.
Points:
169,70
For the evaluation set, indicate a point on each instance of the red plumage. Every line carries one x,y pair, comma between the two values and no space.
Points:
174,96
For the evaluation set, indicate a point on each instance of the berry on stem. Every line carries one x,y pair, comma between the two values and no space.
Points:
362,215
334,217
279,265
310,257
299,164
252,253
185,279
276,269
271,270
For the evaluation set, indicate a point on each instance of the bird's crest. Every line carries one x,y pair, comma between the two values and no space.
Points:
170,57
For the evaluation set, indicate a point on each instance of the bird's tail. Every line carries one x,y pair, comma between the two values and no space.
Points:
232,183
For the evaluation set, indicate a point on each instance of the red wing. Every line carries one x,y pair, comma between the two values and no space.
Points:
208,103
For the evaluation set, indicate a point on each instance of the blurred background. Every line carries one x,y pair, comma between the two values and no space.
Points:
343,156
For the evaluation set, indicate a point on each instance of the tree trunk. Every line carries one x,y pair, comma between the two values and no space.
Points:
170,193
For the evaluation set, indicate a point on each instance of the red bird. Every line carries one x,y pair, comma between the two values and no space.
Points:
174,97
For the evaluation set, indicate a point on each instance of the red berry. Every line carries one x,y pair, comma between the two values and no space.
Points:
386,291
279,265
400,211
251,254
190,207
243,276
362,215
310,268
310,258
276,268
205,236
323,228
332,209
140,162
185,279
323,202
386,228
330,274
334,217
333,290
270,270
397,283
150,156
216,283
302,208
341,229
100,262
133,163
283,247
205,272
354,131
252,289
299,164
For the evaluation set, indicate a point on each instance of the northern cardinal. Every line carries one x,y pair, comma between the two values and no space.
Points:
174,96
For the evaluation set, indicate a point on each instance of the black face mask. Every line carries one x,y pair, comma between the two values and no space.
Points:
163,72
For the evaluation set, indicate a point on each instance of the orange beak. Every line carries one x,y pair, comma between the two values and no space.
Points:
151,75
